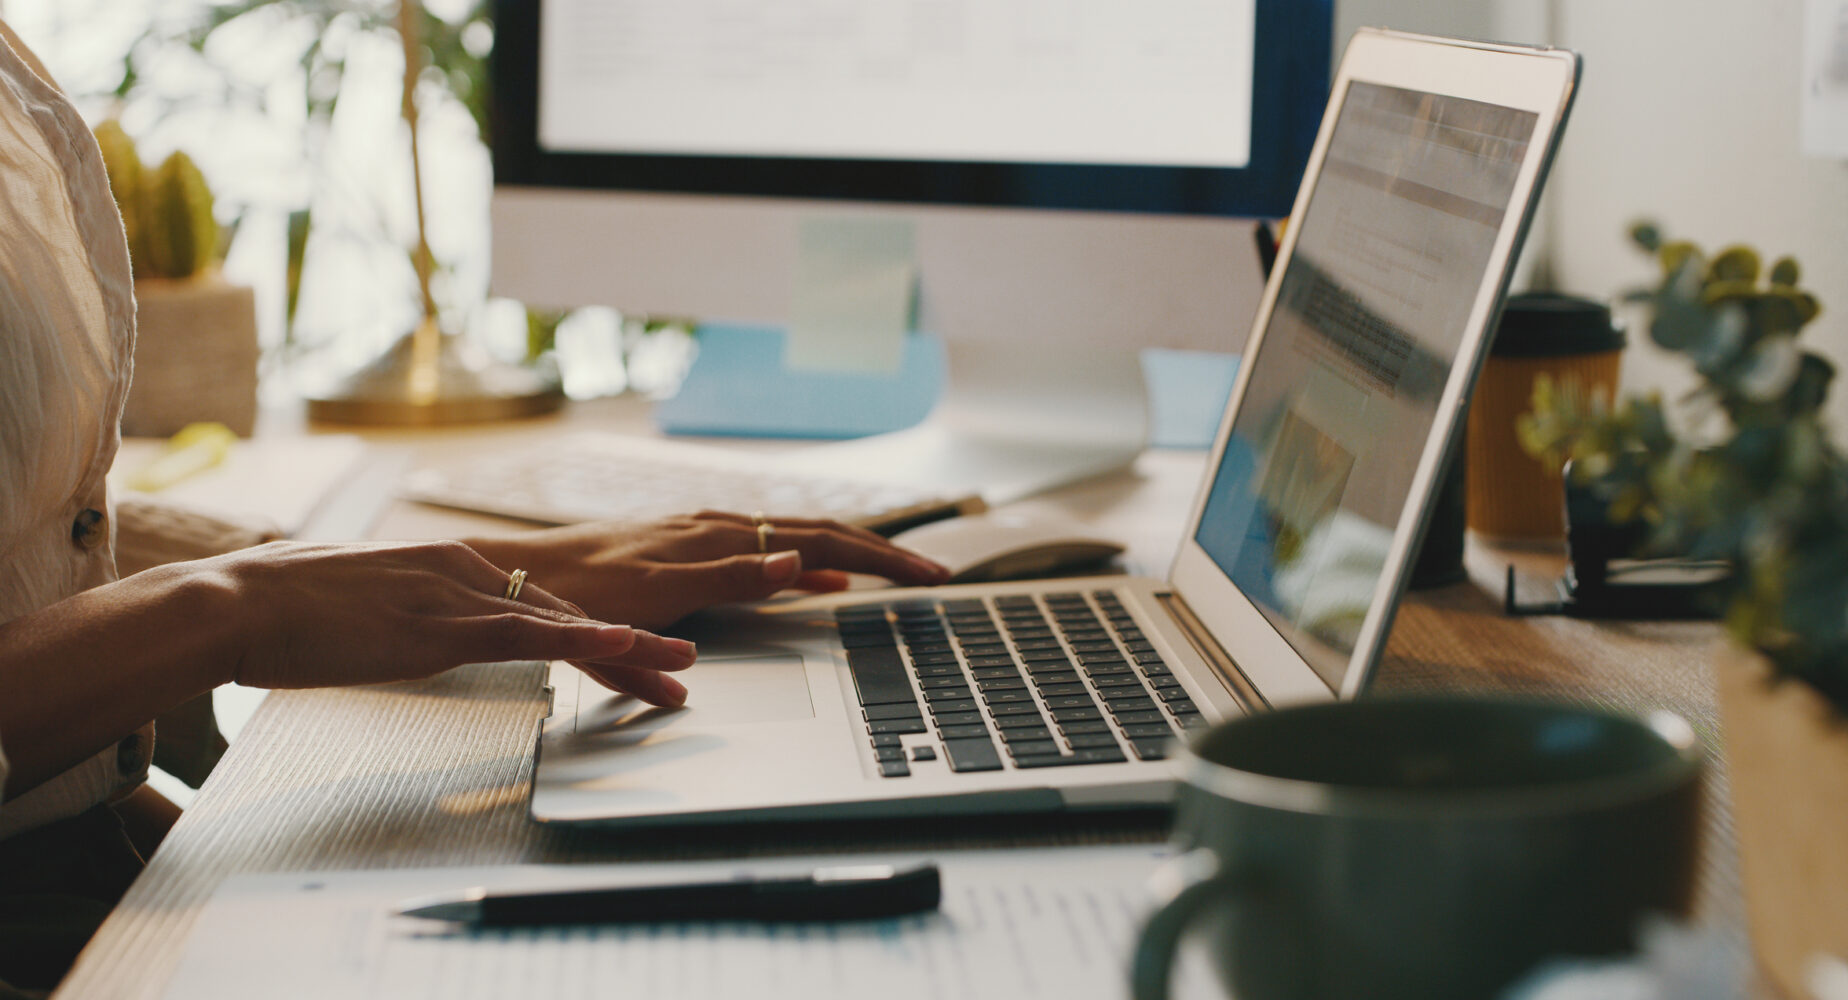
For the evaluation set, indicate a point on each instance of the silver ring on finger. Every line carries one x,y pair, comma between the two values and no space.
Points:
515,581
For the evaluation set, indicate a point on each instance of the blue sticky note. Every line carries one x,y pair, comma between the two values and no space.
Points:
737,386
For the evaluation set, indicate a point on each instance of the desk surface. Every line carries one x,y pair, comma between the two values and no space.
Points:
435,772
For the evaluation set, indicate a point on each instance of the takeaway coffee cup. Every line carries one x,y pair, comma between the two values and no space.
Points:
1426,848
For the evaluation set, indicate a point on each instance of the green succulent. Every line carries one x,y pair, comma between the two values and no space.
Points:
1757,481
166,212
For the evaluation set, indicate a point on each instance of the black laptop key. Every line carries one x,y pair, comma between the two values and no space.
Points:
1147,731
879,677
1174,696
1150,749
930,646
939,695
894,769
864,640
1026,734
1126,679
1055,677
1124,706
1102,658
990,673
1086,714
963,605
1039,749
950,706
1140,718
900,726
1189,720
1169,681
1090,741
1054,690
991,661
1014,683
945,681
972,754
1111,670
924,753
887,740
938,669
1025,720
962,732
1007,697
877,713
1029,644
1100,755
1157,669
1070,701
957,718
1045,656
883,754
1084,727
1023,706
942,658
984,649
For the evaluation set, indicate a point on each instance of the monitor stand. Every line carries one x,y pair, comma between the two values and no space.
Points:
1043,317
1010,423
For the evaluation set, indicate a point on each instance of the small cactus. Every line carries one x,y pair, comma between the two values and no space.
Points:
166,212
123,164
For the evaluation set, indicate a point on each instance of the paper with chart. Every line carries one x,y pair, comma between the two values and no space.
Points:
1051,923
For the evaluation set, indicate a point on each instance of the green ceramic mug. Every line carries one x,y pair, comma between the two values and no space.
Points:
1426,848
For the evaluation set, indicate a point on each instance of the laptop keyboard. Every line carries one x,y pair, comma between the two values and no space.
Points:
1028,681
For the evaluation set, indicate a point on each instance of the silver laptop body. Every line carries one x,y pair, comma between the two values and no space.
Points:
1064,694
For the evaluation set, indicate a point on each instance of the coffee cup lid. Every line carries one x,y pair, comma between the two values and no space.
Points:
1550,325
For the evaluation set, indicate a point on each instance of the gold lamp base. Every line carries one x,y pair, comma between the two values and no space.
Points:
429,378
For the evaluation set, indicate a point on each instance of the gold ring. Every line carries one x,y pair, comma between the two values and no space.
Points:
515,581
757,518
764,531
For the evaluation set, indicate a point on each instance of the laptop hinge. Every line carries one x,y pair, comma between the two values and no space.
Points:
1222,663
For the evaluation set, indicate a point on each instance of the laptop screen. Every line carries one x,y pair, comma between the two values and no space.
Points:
1389,259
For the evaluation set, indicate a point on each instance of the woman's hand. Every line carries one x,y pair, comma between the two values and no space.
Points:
654,574
320,615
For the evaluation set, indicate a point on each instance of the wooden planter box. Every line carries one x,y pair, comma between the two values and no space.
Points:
1788,753
195,356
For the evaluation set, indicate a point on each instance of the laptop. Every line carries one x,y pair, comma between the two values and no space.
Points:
1067,694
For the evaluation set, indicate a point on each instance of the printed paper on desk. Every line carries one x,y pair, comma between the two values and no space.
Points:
1015,924
856,286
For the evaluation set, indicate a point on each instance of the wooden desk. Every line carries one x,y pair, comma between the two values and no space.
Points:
435,773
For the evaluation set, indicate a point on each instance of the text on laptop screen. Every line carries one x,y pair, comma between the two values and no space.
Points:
1388,263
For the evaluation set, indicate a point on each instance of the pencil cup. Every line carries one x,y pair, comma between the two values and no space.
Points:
1512,496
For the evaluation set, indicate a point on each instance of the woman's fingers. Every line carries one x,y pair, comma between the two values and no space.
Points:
826,545
651,686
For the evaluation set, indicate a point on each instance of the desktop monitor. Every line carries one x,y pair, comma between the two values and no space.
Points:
1075,177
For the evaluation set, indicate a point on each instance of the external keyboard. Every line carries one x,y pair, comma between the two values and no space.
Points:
589,476
1056,680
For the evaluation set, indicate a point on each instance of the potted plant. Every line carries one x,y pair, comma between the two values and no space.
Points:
1746,473
195,333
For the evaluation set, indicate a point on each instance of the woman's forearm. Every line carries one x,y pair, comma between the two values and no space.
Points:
87,671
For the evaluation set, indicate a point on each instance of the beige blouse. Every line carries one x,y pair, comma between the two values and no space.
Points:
66,339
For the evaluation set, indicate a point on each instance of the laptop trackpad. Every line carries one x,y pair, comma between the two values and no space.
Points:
721,691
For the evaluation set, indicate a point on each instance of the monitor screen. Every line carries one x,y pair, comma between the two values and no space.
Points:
1158,82
1344,388
1170,106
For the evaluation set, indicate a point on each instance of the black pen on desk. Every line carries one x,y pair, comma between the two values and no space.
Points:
856,892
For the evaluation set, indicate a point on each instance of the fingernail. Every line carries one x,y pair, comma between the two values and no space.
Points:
675,690
616,633
682,648
782,568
